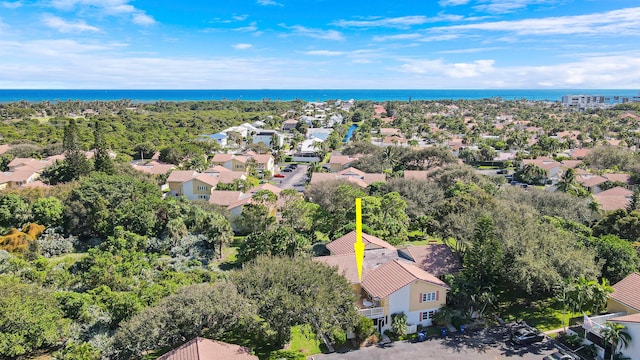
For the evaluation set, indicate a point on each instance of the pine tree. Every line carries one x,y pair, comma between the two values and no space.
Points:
75,161
101,160
483,263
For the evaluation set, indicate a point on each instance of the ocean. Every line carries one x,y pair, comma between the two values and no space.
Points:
33,95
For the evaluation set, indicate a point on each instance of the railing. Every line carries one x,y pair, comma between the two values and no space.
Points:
372,313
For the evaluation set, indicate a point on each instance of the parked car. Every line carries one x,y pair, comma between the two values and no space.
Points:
287,170
560,355
525,335
293,166
278,175
502,172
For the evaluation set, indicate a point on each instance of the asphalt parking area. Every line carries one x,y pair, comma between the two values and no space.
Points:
488,344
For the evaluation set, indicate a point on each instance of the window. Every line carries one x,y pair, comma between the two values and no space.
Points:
202,188
426,297
428,315
203,197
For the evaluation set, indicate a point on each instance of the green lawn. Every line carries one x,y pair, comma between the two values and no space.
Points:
304,340
544,314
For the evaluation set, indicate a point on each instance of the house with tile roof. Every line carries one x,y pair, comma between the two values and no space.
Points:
632,325
338,163
205,349
552,168
391,281
613,199
354,175
626,295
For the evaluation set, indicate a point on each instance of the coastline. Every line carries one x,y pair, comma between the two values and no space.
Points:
151,96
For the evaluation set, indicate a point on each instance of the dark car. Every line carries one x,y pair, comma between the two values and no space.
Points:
287,170
502,172
293,166
526,336
560,355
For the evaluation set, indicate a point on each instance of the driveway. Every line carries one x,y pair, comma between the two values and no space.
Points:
292,178
484,345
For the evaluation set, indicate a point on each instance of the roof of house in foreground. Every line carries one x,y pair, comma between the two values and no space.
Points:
393,276
205,349
627,291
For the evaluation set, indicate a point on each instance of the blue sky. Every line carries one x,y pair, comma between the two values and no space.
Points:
319,44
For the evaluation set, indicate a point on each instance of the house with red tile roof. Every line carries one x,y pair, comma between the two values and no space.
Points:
591,182
351,174
205,349
552,168
625,296
392,282
154,167
613,199
340,162
198,186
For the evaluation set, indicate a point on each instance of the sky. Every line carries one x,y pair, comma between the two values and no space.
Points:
319,44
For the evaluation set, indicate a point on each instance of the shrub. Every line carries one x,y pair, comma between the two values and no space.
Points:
364,328
52,243
399,324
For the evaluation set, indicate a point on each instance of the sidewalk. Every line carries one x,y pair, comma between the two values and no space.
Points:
554,331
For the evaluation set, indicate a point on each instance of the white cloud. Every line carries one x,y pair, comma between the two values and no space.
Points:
314,33
622,21
324,53
11,4
240,17
107,7
397,37
61,25
397,22
242,46
453,2
620,71
469,50
141,18
269,3
454,70
507,6
253,26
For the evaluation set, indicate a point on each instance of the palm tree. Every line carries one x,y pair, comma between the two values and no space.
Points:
615,334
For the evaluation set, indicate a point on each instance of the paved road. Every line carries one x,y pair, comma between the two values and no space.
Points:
468,347
293,178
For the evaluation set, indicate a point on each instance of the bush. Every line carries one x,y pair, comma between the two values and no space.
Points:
364,328
399,325
52,243
286,355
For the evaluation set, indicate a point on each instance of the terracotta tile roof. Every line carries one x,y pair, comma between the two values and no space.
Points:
20,174
634,318
347,265
543,163
217,169
623,178
224,197
344,245
393,276
4,148
208,179
436,259
343,159
571,163
371,178
229,177
627,291
205,349
274,189
580,153
420,174
613,199
378,109
181,176
34,164
351,171
262,159
590,180
389,131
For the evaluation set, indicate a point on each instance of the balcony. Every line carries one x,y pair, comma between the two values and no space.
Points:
372,313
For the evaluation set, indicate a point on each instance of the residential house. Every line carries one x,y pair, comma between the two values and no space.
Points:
390,284
625,296
340,162
17,178
613,199
420,174
632,325
205,349
309,150
196,186
623,307
220,138
591,182
224,175
267,137
264,163
436,259
231,161
289,125
154,167
319,133
351,174
552,168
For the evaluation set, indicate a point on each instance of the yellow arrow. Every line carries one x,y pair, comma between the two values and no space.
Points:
359,245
